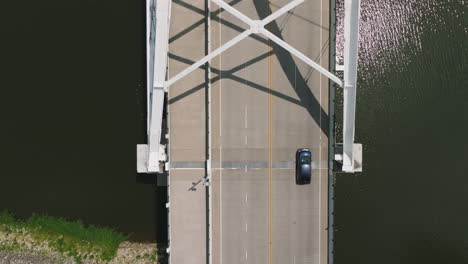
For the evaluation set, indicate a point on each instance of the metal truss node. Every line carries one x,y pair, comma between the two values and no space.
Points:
152,157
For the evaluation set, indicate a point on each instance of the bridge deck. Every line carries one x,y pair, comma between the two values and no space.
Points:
265,105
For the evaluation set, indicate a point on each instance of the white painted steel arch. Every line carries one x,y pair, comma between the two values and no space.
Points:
352,153
151,156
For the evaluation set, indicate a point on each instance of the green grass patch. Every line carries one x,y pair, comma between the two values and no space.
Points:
71,238
7,218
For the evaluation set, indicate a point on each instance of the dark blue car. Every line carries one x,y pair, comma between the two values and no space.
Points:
303,166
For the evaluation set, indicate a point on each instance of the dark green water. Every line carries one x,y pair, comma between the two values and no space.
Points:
71,73
410,205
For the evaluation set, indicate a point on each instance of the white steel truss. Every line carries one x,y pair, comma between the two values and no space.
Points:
158,17
256,27
352,153
158,20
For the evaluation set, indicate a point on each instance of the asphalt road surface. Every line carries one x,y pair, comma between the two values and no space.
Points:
265,105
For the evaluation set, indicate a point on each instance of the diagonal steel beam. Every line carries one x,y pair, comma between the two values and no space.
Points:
208,57
255,27
301,56
157,49
199,22
258,27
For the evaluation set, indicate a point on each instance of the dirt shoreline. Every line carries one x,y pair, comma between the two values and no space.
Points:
21,248
137,253
45,239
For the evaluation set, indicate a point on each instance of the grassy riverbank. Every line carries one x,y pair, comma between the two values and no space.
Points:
70,239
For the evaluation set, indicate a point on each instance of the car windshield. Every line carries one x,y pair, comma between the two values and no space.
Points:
305,159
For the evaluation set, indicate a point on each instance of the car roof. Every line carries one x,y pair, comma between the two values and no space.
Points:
303,150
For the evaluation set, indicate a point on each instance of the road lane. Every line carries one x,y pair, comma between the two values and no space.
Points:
300,212
186,107
284,113
242,116
265,105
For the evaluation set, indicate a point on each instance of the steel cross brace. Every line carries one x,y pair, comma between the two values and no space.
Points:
256,27
150,156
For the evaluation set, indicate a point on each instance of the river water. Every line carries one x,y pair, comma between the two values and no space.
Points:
70,73
410,203
71,70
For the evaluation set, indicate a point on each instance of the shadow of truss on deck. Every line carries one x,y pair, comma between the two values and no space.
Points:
286,61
